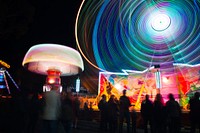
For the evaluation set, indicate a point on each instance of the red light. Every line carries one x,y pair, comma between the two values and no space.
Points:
53,77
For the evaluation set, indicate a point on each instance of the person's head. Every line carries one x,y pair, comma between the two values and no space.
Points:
124,92
112,97
103,97
158,97
147,96
196,95
171,96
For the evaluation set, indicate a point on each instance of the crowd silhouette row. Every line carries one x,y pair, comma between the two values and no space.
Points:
57,109
157,116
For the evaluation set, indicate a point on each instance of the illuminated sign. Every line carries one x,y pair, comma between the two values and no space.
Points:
78,82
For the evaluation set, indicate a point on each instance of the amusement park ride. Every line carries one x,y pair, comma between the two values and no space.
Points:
183,83
53,60
5,77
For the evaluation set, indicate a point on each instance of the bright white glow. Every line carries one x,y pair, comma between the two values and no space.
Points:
78,82
134,71
118,86
165,79
160,22
186,65
61,88
48,88
51,81
158,79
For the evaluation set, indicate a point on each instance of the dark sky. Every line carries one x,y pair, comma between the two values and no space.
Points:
24,23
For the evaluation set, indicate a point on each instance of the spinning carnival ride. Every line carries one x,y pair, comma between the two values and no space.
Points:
5,77
54,61
130,37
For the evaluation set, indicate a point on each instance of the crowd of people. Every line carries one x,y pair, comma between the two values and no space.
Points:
114,112
57,109
157,116
161,116
54,111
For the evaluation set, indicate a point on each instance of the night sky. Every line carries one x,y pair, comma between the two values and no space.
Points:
26,23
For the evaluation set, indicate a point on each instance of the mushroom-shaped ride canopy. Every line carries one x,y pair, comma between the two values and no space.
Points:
42,58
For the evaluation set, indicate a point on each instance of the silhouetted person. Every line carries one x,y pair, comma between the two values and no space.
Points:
173,112
67,113
33,111
103,107
91,111
19,113
51,110
195,112
113,111
147,113
134,120
124,113
76,110
158,114
86,111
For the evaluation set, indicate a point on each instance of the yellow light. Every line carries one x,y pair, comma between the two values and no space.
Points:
4,64
51,81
